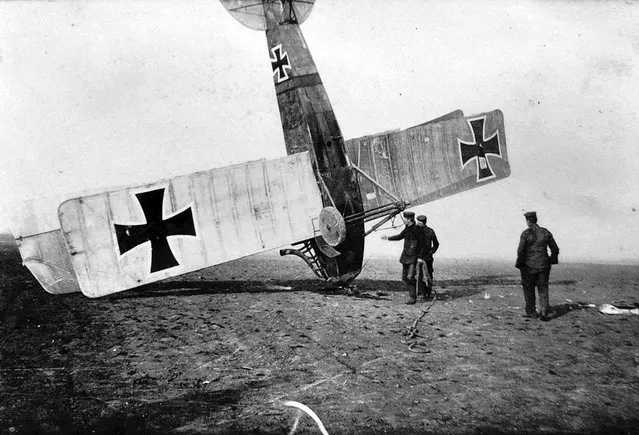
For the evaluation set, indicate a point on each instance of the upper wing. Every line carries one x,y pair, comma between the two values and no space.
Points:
133,236
432,160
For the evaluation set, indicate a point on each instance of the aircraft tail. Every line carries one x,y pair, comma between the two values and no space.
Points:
252,13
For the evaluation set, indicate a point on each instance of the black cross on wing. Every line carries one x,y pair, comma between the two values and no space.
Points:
479,149
156,230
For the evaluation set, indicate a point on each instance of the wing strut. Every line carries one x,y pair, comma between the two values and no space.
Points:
383,210
324,188
389,211
369,178
383,221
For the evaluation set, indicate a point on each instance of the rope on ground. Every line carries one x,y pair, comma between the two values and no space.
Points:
307,410
412,330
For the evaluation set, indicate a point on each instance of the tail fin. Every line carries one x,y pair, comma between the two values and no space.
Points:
251,12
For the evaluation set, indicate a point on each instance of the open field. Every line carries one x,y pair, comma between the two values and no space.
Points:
218,351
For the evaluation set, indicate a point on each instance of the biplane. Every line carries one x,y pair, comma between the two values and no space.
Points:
313,203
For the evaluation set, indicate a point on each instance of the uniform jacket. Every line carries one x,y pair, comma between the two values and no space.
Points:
431,244
533,249
413,243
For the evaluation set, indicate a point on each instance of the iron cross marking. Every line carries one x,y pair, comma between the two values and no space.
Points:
479,149
156,230
279,63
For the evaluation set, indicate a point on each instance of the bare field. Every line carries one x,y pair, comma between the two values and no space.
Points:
220,350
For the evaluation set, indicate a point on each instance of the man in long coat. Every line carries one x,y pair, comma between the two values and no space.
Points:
534,264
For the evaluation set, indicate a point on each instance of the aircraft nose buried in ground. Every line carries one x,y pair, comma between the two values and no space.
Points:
317,198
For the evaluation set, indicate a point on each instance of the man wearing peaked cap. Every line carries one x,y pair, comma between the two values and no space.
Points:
431,244
534,264
413,243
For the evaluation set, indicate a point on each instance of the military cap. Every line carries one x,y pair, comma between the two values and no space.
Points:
409,215
421,218
530,214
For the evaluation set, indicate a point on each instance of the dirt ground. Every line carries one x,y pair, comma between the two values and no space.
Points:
220,350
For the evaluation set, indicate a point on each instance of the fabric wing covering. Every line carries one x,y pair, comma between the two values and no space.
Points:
432,160
133,236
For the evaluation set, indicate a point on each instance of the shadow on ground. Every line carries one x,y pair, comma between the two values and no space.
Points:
364,288
128,416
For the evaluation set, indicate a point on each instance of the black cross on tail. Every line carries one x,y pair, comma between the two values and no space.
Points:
156,230
479,149
279,63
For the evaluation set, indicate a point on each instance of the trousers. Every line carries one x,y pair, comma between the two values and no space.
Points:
409,271
539,279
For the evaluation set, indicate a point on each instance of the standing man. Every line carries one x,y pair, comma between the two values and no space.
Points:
534,263
413,243
431,244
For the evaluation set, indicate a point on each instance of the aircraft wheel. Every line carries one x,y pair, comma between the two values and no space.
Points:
332,226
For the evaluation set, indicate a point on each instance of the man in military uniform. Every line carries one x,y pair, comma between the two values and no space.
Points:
413,243
534,264
431,244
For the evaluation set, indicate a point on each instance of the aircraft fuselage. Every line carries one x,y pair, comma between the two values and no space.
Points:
309,123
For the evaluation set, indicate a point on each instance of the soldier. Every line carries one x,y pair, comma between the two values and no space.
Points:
534,264
431,244
413,243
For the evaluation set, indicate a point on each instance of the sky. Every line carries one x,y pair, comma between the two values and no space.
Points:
110,93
